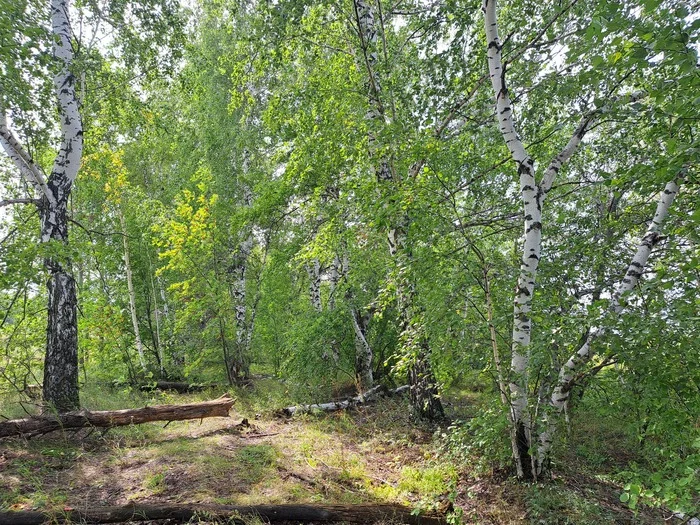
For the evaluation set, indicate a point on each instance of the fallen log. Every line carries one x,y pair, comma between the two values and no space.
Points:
177,386
350,402
37,425
233,514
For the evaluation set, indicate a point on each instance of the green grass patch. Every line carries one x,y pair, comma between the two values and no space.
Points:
255,461
155,482
558,505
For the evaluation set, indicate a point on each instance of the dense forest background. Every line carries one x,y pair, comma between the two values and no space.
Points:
347,193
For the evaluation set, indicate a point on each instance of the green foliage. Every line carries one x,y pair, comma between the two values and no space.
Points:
258,129
480,443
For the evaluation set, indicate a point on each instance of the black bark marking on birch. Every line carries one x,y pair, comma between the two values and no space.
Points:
523,446
61,361
522,290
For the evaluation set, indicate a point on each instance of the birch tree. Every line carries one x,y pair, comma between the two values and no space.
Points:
532,439
424,392
51,194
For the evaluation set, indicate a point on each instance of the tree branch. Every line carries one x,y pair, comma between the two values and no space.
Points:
29,171
10,202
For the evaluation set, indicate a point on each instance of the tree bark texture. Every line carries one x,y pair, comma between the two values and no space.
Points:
61,360
531,466
113,418
130,288
239,363
532,196
364,514
363,352
314,271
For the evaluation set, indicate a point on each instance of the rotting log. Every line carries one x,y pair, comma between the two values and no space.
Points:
344,404
365,514
177,386
37,425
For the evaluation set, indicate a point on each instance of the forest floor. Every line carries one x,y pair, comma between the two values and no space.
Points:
375,453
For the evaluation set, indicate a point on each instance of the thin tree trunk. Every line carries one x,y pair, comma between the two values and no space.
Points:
239,365
494,342
567,373
351,402
424,389
132,294
363,352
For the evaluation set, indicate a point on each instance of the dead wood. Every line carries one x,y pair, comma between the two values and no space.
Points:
37,425
177,386
344,404
365,514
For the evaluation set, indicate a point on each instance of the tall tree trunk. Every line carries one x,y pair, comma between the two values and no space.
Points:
425,397
61,363
132,293
532,196
239,363
61,360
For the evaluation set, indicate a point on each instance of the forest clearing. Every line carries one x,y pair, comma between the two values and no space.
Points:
349,261
374,454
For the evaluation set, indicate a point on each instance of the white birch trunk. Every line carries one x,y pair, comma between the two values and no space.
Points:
567,373
314,272
336,272
156,315
238,363
532,196
61,362
132,294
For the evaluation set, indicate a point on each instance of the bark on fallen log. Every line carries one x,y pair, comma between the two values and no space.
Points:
36,425
371,395
180,387
233,514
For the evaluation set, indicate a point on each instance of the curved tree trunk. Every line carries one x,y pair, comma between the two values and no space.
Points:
568,372
532,196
